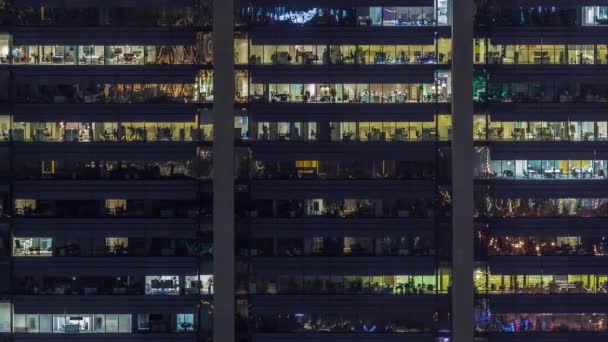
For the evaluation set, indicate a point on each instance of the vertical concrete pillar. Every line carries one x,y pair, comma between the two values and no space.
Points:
462,174
223,174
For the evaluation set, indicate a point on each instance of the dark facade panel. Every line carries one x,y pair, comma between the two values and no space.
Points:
546,150
162,151
104,189
174,112
346,111
123,304
119,74
367,227
546,188
407,151
546,111
548,265
101,3
547,226
424,305
338,189
271,35
554,73
338,337
549,35
337,3
175,228
549,3
104,266
344,266
49,35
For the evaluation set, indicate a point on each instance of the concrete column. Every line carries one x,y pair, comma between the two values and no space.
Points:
462,174
223,174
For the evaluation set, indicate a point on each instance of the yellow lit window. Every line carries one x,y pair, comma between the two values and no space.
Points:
117,245
307,166
48,167
306,163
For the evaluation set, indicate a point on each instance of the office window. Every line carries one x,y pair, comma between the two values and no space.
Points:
185,322
124,323
143,322
595,15
86,323
162,285
19,324
25,207
204,282
307,166
112,323
99,323
72,323
46,323
4,48
76,323
91,54
116,207
47,167
32,246
5,317
32,323
117,245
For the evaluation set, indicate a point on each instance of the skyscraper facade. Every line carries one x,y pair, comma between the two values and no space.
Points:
106,168
346,167
272,171
540,166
